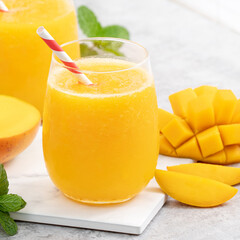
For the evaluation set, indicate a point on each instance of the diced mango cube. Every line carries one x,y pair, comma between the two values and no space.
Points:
208,91
180,100
200,114
164,118
190,149
236,113
210,141
166,148
230,134
232,154
219,158
224,104
177,132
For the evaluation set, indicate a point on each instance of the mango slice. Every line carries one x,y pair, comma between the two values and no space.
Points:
209,115
194,190
180,100
227,175
19,123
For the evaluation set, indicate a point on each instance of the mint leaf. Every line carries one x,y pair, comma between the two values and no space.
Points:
8,224
86,51
3,181
11,203
115,31
88,22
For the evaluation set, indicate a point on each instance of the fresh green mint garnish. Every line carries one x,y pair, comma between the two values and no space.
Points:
91,27
8,203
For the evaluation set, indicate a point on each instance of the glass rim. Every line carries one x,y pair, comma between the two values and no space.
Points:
136,65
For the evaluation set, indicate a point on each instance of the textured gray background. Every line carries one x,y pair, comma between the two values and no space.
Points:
187,50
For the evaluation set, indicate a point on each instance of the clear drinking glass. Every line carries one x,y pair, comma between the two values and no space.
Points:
101,142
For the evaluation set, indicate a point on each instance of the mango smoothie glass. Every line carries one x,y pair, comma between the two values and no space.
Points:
101,142
24,58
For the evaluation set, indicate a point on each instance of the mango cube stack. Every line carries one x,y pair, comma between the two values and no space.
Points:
205,126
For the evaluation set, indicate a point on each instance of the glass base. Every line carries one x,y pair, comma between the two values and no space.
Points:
98,202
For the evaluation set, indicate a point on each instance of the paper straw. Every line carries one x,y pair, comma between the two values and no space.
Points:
63,56
3,7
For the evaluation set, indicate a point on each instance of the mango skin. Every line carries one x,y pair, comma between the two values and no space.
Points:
227,175
12,146
193,190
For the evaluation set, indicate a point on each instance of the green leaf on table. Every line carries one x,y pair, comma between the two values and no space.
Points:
87,51
8,224
3,181
11,203
88,22
115,31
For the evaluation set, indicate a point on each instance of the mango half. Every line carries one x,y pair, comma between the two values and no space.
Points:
205,126
19,123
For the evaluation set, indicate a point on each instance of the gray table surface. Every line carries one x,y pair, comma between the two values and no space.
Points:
186,50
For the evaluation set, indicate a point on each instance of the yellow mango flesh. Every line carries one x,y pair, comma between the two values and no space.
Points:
210,141
194,190
19,122
230,134
224,105
219,157
213,119
232,154
208,91
236,113
180,100
164,118
166,148
200,114
177,132
227,175
190,149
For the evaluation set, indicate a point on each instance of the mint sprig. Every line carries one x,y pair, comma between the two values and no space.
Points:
91,27
8,203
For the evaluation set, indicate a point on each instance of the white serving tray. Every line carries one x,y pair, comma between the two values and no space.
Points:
46,204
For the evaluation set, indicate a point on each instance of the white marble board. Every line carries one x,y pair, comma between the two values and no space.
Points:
46,204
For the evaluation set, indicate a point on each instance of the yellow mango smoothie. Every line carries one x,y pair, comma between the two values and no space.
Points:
24,58
101,142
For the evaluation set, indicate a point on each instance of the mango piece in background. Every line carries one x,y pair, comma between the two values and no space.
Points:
180,100
200,114
164,118
227,175
166,148
219,157
208,91
190,149
19,123
210,141
224,105
230,134
194,190
232,153
236,113
177,132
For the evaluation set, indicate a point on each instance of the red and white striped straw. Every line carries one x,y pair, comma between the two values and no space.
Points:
63,56
3,7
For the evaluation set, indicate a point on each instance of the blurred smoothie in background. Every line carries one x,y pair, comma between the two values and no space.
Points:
24,58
